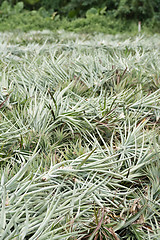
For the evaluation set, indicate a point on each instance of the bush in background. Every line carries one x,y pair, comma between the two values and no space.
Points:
80,16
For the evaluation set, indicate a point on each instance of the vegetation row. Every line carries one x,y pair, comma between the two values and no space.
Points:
79,136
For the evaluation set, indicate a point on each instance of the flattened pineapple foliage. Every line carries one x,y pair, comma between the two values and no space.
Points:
79,136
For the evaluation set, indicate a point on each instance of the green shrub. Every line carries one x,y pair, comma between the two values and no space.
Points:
18,7
91,12
5,9
13,18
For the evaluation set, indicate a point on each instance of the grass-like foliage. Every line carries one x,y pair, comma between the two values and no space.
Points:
79,137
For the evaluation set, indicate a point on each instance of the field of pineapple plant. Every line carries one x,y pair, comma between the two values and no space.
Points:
79,136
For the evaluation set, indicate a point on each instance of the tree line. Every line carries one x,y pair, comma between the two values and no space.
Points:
127,9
